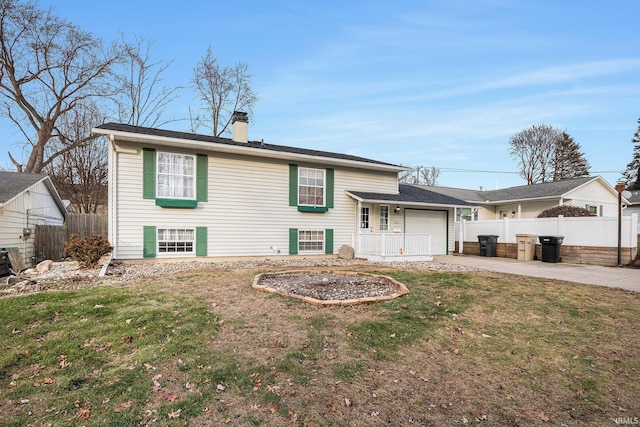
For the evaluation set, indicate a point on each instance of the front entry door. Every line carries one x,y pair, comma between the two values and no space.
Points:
365,219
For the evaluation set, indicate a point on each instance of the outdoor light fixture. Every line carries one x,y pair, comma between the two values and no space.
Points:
397,209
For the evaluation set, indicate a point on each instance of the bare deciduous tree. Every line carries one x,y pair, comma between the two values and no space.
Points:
80,175
48,66
533,149
420,175
221,90
142,102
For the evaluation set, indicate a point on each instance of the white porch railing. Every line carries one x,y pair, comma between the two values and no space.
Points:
392,246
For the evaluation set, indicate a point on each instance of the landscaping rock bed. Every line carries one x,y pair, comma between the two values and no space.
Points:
331,288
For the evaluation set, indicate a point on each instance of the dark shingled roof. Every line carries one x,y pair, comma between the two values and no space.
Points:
412,194
522,192
14,183
635,197
227,141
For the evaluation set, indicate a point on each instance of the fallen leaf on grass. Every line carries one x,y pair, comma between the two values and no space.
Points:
347,401
125,405
174,414
170,396
62,362
84,413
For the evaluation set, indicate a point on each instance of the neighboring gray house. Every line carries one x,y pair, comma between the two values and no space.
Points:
182,195
27,200
527,201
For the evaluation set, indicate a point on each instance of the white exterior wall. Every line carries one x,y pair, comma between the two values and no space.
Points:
247,212
595,194
32,207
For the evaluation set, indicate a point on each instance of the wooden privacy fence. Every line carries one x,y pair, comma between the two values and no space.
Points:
50,239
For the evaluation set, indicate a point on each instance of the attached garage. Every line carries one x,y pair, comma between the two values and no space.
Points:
433,222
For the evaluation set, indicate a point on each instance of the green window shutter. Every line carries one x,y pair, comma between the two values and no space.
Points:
293,241
202,177
201,241
149,246
293,185
328,241
329,183
148,173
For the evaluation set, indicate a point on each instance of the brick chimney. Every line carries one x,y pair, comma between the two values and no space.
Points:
240,123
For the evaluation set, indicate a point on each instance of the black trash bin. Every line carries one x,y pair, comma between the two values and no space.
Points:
551,248
488,243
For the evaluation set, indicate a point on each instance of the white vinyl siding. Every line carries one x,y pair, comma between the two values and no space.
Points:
247,213
596,194
26,210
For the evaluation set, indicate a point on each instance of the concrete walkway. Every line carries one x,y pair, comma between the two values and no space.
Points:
613,277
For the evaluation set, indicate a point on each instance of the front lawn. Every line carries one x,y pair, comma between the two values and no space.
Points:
203,348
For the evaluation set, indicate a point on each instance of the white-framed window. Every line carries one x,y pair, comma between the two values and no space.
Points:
176,176
311,187
176,240
594,209
310,241
384,218
469,214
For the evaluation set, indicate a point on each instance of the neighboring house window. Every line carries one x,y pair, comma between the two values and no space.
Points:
468,214
384,218
174,180
310,241
176,240
176,176
594,210
311,189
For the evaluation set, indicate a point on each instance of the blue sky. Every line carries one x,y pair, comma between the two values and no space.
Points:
433,83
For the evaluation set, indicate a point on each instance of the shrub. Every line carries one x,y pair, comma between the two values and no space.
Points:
568,211
88,251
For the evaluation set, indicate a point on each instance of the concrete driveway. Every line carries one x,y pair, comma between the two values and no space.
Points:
613,277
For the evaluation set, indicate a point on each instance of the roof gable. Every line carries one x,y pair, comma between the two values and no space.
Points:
521,192
409,193
14,183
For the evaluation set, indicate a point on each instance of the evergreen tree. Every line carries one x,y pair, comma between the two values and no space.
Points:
632,175
568,161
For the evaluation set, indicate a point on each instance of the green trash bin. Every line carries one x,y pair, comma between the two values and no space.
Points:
488,243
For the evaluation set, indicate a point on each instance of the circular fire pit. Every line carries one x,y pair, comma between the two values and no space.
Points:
328,288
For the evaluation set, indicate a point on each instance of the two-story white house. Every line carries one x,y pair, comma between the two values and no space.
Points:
176,194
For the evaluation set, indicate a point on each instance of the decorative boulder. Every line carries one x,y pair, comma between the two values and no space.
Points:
346,252
44,266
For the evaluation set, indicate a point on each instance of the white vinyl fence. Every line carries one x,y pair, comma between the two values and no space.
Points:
582,231
392,244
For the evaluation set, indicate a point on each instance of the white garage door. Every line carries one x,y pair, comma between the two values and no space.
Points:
432,222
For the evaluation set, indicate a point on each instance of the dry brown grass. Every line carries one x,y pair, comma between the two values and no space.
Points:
522,351
461,349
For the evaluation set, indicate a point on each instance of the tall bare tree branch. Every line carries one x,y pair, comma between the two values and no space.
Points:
48,66
221,91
